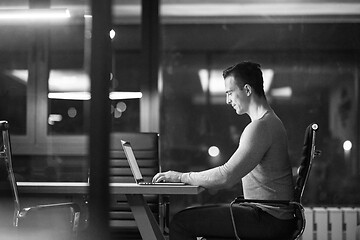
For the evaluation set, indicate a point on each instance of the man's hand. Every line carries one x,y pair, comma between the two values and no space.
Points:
169,176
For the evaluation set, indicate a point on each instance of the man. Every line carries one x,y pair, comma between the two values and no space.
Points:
261,162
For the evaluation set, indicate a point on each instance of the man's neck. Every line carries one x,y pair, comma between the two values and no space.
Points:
258,108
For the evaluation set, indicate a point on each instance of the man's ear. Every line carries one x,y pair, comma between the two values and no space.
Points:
248,89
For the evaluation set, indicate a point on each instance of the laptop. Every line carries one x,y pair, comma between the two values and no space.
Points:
129,153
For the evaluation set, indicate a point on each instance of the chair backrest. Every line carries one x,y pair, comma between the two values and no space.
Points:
309,152
6,157
146,151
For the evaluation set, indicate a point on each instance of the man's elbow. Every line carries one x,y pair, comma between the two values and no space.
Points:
227,180
230,182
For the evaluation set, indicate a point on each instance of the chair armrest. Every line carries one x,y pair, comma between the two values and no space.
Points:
243,200
74,207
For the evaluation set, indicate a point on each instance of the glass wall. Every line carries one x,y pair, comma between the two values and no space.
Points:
45,86
309,53
68,83
310,66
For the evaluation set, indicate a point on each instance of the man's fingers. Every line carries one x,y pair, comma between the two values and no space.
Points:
155,177
158,177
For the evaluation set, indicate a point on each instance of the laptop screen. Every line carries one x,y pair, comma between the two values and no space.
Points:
132,161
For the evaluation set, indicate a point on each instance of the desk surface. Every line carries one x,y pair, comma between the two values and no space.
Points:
115,188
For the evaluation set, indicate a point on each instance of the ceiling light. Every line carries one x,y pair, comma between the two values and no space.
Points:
87,95
34,14
124,95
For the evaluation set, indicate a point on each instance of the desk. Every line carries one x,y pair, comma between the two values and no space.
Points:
145,220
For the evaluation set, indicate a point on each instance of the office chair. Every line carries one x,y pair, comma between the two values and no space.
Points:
309,152
146,150
20,213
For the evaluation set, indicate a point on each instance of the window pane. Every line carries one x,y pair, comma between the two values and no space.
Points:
126,67
14,77
68,83
125,110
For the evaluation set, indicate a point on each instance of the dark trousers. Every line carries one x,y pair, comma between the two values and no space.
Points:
215,221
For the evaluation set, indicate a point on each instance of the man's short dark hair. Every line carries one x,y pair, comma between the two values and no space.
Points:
247,73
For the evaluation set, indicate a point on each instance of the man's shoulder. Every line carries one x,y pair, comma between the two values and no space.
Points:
270,122
264,128
258,125
257,129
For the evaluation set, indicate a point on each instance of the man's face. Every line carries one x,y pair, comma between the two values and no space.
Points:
235,96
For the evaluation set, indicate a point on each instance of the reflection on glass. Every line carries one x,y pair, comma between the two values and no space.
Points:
310,75
69,95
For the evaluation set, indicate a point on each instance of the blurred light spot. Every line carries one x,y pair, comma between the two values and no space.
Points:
54,118
112,33
72,112
214,151
283,92
117,113
87,34
121,106
347,145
